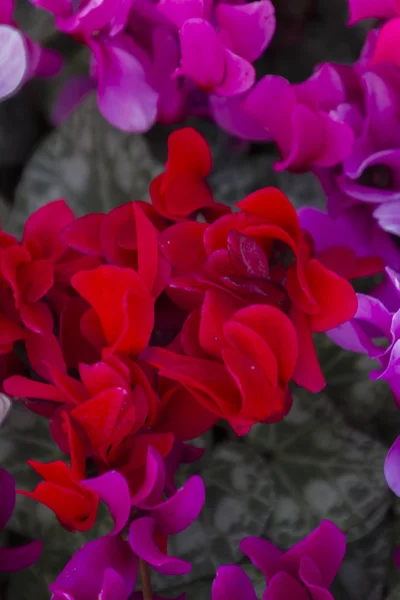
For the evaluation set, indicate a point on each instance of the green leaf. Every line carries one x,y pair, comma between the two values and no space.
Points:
323,469
89,163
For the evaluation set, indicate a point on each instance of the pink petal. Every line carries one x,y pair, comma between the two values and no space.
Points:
392,467
250,26
113,490
284,586
125,97
179,11
338,142
371,9
239,75
141,540
16,559
230,114
7,497
177,513
272,102
70,96
6,12
13,61
264,555
198,38
387,47
231,583
113,587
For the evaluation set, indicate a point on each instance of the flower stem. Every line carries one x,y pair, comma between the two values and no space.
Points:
145,580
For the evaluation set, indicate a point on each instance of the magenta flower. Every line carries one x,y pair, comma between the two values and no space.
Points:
13,559
21,58
228,37
305,571
106,568
119,67
377,316
371,9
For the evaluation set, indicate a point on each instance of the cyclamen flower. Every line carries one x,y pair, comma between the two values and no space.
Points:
306,570
145,55
249,277
21,58
229,37
13,559
299,118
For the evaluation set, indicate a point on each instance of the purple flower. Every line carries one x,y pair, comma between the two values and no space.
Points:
298,118
305,571
120,68
13,559
106,569
21,58
377,317
228,37
157,518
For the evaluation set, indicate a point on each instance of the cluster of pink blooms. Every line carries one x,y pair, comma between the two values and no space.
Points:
145,55
145,326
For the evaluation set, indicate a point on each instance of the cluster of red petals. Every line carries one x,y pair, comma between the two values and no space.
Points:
144,326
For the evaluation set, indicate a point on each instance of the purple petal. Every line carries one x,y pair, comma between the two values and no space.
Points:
338,143
326,546
250,26
113,587
141,540
178,12
166,53
13,61
94,16
239,75
396,557
323,90
392,467
7,497
264,555
392,372
43,62
231,583
284,587
154,481
371,9
57,7
113,490
230,115
15,559
198,38
388,291
177,513
388,217
125,97
83,577
272,102
6,12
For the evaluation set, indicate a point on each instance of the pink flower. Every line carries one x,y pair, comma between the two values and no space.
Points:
305,571
228,37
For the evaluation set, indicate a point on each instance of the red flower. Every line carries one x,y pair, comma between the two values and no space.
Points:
255,293
125,237
182,191
121,316
62,491
28,268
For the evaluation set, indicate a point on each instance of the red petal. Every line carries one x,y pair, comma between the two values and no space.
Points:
335,296
42,229
187,151
307,373
276,329
272,205
182,245
83,234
